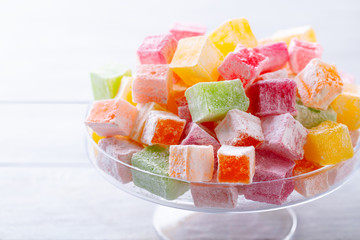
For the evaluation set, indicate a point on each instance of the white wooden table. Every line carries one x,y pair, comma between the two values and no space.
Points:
48,189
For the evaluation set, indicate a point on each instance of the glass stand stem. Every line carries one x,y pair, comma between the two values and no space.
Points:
171,223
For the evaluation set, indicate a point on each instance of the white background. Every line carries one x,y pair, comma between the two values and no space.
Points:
48,190
47,48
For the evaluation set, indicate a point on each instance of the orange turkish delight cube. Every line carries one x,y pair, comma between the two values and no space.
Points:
236,164
318,84
112,117
313,183
144,111
162,128
191,162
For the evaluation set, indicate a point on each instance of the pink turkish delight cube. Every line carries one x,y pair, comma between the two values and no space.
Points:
277,54
301,53
284,136
157,49
184,113
152,83
112,117
214,195
279,74
121,149
269,185
341,171
199,135
272,97
244,64
183,30
239,128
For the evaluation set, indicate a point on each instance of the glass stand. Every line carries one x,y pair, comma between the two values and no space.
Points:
172,223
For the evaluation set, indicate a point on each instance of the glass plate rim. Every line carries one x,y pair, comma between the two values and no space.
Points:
308,174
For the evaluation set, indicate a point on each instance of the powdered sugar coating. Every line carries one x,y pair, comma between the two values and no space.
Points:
284,136
277,54
121,149
313,184
144,111
213,196
210,101
112,117
318,84
279,74
184,113
197,135
239,128
273,96
184,30
270,167
157,49
244,64
162,128
152,83
236,164
301,53
191,162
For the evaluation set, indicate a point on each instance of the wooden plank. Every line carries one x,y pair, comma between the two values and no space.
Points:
42,133
335,216
48,48
77,203
68,203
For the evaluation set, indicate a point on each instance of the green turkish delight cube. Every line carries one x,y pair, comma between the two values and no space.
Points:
155,159
210,101
106,81
310,117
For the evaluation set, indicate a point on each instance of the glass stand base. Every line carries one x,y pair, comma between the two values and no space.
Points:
171,223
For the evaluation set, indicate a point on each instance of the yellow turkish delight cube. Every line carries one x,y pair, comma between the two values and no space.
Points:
305,33
96,137
347,107
125,90
351,88
231,33
328,143
196,60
